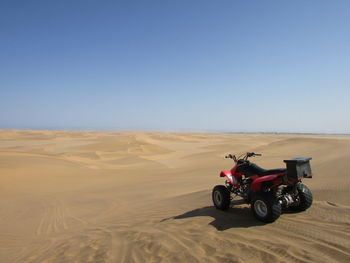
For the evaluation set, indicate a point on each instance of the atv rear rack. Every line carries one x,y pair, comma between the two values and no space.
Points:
299,168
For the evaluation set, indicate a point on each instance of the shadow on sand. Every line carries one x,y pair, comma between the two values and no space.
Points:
232,218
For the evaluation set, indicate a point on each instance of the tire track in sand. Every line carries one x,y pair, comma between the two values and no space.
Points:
56,218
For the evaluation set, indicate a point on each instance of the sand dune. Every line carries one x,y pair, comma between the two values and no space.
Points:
146,197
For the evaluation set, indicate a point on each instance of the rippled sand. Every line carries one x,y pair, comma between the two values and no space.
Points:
146,197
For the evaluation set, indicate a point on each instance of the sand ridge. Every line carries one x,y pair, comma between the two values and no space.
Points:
71,196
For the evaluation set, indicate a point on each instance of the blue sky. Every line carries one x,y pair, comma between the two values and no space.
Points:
273,66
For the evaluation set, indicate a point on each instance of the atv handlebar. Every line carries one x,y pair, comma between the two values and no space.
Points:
253,154
245,156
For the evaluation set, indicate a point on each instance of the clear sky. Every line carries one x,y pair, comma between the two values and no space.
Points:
273,66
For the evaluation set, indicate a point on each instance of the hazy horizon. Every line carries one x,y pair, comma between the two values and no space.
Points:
232,66
87,129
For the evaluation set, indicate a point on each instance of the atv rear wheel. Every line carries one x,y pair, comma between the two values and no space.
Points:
304,196
266,207
221,197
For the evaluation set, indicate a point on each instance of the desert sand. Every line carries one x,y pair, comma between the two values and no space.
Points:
70,196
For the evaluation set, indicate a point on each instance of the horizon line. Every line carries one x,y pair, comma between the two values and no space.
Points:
168,131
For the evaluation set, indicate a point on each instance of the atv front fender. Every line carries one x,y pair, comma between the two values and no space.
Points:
229,176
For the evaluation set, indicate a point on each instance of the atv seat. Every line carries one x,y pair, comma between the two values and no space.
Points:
254,169
272,171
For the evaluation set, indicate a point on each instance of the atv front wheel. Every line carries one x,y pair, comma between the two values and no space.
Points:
221,197
304,196
266,207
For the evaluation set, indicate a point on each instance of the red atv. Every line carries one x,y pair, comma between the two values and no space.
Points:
268,191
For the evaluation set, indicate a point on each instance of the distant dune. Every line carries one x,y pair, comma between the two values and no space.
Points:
146,197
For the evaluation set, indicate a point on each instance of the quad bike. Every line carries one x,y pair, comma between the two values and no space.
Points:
267,191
